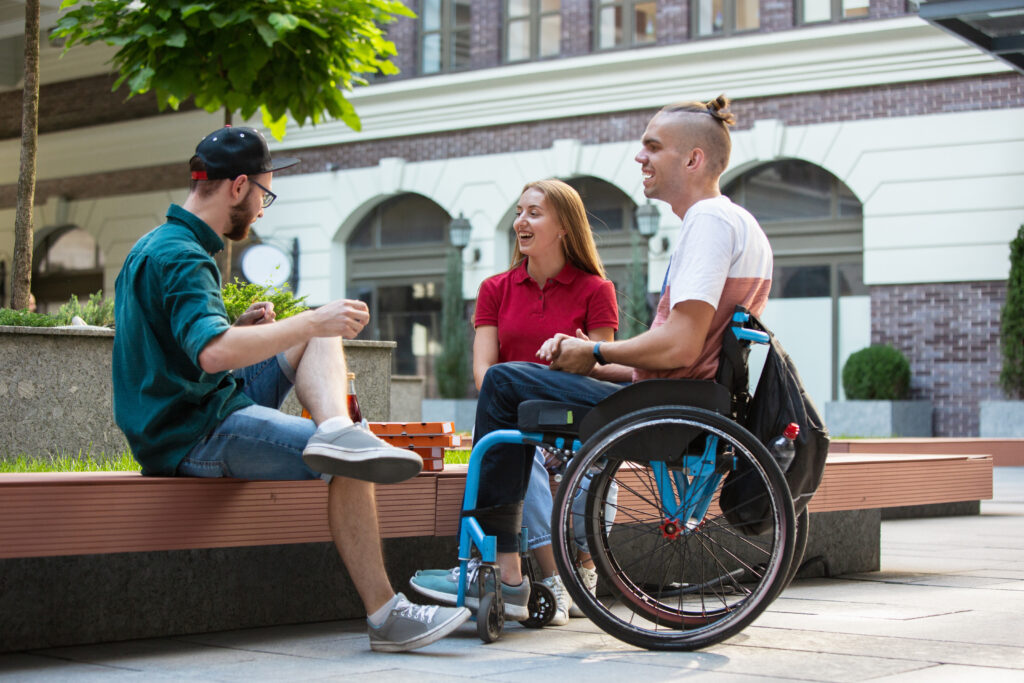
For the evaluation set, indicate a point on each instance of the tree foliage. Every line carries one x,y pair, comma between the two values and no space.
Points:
636,314
453,362
1011,377
281,57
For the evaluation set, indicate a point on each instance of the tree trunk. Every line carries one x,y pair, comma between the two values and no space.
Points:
224,257
21,280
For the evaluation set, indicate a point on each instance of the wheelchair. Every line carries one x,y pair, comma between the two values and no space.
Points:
646,488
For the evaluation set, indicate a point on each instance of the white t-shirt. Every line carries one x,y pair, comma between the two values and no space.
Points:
723,258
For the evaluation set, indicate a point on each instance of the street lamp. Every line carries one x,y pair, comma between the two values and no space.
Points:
647,221
459,231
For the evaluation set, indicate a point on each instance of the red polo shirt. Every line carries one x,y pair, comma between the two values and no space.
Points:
526,315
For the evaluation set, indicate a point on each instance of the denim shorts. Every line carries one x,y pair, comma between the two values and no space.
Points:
259,441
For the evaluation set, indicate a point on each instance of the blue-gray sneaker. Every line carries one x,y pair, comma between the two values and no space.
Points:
444,588
410,626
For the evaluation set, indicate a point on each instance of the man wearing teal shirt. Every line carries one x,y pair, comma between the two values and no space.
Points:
196,396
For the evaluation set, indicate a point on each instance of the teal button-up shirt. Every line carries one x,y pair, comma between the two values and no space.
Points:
168,306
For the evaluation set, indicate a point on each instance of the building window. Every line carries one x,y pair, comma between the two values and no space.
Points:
819,303
444,35
624,23
814,11
67,261
725,17
533,29
396,264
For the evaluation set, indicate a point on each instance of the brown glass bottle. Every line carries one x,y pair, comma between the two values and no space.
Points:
353,403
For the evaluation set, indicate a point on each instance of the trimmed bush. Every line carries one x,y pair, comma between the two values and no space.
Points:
876,373
1011,330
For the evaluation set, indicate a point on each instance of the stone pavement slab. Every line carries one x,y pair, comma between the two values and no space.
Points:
946,606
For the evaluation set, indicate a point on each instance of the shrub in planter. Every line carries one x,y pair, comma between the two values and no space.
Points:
1011,377
876,373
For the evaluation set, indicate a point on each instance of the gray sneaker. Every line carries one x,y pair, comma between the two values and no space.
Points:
356,453
410,626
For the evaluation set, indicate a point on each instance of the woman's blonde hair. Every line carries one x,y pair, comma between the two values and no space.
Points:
578,244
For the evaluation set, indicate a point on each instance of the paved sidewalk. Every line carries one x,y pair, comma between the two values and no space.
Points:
946,606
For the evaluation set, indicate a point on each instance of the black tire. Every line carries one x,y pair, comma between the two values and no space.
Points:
490,621
803,529
542,606
667,583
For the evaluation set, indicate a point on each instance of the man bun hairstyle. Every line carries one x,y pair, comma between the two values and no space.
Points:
710,128
719,109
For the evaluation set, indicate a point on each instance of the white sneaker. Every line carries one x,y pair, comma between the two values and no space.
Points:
562,600
589,579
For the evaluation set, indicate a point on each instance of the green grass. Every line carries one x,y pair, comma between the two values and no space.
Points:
82,462
456,456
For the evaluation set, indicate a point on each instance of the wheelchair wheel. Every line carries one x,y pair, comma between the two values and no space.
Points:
542,606
803,528
678,569
490,622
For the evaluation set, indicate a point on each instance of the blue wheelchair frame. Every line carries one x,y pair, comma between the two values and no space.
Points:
687,500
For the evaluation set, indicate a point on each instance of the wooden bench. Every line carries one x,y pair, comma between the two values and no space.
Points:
1004,452
91,557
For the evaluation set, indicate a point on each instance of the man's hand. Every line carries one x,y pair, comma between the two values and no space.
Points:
575,355
257,314
342,318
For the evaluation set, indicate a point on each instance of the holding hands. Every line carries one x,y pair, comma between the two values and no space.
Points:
569,354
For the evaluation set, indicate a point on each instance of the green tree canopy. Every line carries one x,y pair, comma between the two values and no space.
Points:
281,57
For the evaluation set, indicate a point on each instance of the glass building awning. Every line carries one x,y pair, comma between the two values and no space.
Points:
994,26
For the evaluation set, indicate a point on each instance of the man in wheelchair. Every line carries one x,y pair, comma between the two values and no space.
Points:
721,259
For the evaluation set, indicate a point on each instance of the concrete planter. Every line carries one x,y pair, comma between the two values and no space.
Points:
1001,419
460,410
878,418
55,387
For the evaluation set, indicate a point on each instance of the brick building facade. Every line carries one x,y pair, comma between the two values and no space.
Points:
855,97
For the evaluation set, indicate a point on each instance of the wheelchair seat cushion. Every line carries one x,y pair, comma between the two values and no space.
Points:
551,417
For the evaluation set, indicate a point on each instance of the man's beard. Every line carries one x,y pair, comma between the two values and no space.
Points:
240,220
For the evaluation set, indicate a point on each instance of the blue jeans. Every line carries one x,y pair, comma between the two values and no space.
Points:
257,442
538,503
505,468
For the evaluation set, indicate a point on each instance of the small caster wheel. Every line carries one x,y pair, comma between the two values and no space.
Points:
490,619
542,606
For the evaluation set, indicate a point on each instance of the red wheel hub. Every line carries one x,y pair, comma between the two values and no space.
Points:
671,529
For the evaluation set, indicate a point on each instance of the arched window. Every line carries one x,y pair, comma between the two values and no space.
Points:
66,261
815,225
396,264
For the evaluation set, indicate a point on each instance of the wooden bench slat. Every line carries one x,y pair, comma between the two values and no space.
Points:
85,513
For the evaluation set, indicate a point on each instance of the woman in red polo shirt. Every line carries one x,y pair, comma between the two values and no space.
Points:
556,284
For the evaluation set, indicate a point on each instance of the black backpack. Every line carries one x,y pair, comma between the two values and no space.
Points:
780,398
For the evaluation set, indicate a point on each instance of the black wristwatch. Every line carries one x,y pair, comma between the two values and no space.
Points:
597,354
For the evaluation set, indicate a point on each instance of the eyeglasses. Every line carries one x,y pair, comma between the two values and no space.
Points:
268,196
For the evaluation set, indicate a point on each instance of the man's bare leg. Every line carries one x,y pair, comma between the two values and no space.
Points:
352,515
320,377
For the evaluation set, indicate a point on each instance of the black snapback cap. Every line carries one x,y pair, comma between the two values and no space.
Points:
233,151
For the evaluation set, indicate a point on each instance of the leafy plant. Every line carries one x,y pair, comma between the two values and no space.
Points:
876,373
1011,328
239,295
278,57
23,318
98,311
